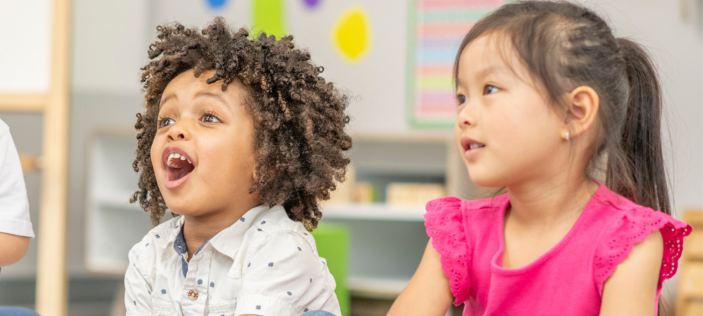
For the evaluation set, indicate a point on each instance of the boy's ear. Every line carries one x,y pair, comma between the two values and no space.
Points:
583,105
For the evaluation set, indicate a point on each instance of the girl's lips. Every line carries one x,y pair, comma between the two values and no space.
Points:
471,147
471,153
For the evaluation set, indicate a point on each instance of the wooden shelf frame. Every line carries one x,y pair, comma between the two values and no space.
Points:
52,285
23,102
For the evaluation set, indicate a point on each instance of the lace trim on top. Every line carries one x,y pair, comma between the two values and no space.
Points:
633,228
444,223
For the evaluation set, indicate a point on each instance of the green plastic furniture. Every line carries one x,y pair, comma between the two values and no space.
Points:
332,242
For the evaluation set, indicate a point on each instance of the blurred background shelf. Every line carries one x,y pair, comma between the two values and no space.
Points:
376,287
377,211
352,211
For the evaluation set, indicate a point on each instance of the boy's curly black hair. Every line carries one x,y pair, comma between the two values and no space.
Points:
299,118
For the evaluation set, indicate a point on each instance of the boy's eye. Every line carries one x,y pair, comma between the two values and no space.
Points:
165,122
461,99
490,89
209,118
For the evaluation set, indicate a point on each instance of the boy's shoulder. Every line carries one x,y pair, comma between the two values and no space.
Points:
276,221
162,232
157,236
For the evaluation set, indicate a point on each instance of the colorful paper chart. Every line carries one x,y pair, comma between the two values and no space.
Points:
269,17
312,4
436,29
216,4
352,35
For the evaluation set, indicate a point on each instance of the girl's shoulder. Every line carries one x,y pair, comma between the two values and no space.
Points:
450,205
625,224
453,224
451,213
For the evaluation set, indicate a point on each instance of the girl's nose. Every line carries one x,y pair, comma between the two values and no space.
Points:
465,118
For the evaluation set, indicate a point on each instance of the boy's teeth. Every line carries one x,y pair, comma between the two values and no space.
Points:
172,156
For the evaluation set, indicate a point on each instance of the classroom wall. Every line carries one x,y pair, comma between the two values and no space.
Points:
110,39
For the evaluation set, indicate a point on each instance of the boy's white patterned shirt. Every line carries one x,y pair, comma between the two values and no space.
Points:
264,264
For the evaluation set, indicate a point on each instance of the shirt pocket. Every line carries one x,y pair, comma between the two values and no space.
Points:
164,308
225,309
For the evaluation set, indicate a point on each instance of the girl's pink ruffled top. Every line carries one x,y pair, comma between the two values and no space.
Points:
566,280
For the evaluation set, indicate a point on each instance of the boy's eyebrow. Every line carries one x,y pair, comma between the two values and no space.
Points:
213,95
168,97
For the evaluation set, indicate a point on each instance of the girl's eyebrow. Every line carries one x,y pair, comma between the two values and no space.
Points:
483,73
487,71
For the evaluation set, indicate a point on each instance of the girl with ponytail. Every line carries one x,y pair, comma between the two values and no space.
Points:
553,107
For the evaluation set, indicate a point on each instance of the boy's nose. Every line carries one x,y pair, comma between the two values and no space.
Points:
177,132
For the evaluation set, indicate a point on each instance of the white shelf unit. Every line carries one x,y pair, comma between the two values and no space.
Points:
387,241
376,211
113,225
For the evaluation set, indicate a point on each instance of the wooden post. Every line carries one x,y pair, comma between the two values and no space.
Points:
52,286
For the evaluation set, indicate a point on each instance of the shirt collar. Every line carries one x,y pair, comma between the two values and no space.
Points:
168,232
230,239
226,241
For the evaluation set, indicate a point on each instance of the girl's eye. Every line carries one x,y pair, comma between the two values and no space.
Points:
165,122
490,89
461,99
209,118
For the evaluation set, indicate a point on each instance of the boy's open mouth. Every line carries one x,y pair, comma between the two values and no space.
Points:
177,166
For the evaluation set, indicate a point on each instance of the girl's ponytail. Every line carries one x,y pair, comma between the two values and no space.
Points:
644,178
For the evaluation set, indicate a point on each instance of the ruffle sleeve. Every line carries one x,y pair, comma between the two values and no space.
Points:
444,224
633,227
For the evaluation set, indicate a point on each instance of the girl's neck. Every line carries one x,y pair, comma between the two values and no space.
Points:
544,202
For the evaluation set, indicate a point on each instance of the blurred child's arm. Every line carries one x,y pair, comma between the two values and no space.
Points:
428,292
12,248
632,288
137,294
15,227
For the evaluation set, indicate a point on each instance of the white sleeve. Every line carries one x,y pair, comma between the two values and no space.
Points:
14,207
284,276
137,296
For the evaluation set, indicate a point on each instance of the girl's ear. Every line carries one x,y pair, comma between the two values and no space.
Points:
583,105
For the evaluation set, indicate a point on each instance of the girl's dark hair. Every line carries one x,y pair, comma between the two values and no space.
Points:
299,118
563,46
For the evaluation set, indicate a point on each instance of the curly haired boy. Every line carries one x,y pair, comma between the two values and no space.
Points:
241,137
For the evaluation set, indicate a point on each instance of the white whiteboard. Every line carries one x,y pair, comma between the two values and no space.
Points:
25,46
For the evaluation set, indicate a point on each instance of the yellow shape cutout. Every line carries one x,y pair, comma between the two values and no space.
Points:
351,35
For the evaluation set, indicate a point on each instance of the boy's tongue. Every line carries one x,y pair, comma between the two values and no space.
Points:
177,169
